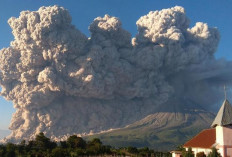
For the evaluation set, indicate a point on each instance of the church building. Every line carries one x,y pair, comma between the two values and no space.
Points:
218,136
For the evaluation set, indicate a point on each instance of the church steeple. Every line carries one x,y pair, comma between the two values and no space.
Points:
224,115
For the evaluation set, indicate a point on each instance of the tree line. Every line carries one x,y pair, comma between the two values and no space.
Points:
74,146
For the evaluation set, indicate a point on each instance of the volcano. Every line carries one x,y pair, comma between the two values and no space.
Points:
164,130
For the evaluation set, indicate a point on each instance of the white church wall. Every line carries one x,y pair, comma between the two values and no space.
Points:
198,150
220,150
219,135
175,154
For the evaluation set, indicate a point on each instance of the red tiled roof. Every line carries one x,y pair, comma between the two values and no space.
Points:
205,139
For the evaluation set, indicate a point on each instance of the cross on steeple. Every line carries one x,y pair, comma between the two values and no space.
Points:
225,92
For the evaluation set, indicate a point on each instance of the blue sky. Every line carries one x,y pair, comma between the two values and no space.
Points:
214,12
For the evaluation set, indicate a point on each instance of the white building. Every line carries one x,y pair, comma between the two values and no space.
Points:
219,136
176,153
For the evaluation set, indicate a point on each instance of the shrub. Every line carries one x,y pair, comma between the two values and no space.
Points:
214,153
201,154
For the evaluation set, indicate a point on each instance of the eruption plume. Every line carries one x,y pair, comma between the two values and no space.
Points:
62,82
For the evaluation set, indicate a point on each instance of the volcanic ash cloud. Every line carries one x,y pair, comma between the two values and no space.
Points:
62,82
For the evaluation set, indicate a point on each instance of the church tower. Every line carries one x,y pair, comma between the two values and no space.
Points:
223,125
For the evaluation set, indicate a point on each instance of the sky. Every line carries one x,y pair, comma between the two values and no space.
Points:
213,12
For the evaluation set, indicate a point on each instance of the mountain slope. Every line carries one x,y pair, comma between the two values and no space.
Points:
163,130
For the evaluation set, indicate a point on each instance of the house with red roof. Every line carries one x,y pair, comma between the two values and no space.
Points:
218,136
203,142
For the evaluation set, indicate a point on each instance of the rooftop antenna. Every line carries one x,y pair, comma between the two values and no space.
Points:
225,92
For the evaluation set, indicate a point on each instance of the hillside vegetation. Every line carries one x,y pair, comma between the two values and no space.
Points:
73,147
169,127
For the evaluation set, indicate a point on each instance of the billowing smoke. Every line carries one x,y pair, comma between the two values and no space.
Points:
62,82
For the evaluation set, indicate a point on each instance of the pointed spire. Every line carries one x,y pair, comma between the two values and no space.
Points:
224,115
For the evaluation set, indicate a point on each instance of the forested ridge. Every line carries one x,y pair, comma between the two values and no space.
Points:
74,146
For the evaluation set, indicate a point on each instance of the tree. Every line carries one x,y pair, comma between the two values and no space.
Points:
10,150
214,153
73,147
63,144
106,149
58,152
95,141
21,147
145,151
180,148
132,150
43,143
201,154
76,142
94,147
2,150
188,153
